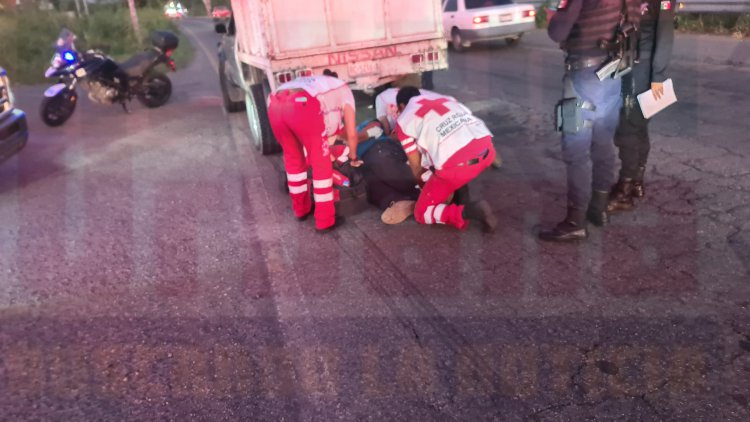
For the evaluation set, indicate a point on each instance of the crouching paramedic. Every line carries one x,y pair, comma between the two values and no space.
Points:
447,147
305,114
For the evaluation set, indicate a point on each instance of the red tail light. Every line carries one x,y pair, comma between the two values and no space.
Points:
481,19
284,77
417,58
433,56
529,13
304,72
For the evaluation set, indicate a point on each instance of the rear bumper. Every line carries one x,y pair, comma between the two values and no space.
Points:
14,133
497,32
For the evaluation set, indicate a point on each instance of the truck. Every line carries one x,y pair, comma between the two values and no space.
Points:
368,43
13,128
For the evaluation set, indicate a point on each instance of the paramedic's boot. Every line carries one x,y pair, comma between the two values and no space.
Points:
572,228
481,211
621,197
597,212
397,212
498,161
638,190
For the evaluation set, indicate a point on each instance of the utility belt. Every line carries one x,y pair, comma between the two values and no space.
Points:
579,63
482,156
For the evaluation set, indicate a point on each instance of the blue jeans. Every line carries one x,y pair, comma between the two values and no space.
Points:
589,154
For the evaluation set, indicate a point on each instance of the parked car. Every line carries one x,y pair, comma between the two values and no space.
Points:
469,21
221,13
13,128
174,10
230,79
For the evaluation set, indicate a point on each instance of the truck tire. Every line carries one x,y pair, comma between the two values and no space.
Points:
229,105
257,118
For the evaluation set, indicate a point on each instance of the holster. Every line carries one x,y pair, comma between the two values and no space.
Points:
569,111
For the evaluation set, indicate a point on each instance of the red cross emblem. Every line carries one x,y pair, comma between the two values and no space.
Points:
432,105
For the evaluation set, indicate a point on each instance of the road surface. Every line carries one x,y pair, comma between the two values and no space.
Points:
151,269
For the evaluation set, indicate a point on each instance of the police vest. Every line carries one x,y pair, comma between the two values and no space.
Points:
599,19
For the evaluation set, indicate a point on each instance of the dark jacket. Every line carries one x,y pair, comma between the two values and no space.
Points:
581,24
657,36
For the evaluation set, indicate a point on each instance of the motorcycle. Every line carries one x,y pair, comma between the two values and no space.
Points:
106,81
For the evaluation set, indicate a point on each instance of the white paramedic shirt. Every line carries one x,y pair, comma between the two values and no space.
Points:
386,107
332,93
437,126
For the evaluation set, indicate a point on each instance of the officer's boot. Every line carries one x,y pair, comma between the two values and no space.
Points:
570,229
481,211
638,190
621,196
597,212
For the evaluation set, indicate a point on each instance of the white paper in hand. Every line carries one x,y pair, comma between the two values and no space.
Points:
650,105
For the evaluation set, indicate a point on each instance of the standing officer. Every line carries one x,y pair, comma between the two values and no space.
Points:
649,72
588,112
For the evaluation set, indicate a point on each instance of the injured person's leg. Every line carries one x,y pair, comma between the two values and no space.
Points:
390,183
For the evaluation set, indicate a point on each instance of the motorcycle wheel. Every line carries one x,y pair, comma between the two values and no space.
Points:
57,110
155,90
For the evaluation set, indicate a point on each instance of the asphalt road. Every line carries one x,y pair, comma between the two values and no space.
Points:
151,269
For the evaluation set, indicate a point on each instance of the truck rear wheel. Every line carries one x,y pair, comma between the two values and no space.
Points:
257,118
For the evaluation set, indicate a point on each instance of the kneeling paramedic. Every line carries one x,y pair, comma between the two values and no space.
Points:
306,117
588,113
447,147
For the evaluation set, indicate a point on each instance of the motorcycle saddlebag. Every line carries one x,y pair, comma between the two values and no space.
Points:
164,40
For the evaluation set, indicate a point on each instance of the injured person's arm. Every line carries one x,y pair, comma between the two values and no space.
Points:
350,129
415,164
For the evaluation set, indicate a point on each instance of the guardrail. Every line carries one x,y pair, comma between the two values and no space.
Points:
691,6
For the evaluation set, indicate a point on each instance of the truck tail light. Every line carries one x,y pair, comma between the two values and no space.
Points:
529,13
304,72
284,77
417,58
481,19
433,56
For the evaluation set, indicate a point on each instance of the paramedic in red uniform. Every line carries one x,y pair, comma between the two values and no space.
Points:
306,116
447,147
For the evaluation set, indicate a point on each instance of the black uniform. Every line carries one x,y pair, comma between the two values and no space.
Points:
654,51
389,179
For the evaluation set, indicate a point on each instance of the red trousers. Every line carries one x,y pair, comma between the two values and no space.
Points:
456,172
297,122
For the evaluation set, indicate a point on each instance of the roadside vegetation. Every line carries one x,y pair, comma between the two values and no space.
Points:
28,37
734,24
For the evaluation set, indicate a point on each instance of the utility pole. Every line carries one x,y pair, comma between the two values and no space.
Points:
134,20
207,3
